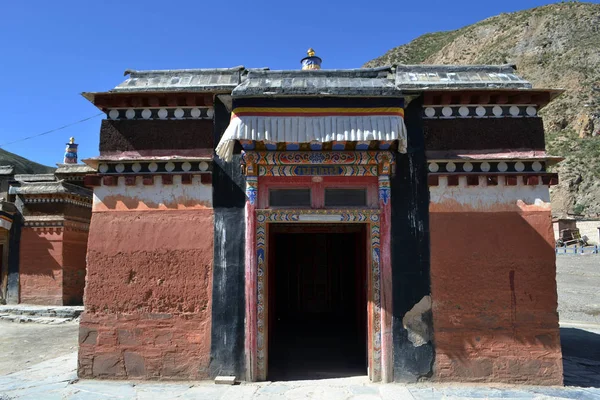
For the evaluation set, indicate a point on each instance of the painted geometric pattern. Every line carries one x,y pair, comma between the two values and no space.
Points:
479,111
317,146
318,170
323,158
161,113
487,166
384,189
344,216
252,189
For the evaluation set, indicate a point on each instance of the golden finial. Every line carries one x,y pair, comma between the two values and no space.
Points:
310,52
72,140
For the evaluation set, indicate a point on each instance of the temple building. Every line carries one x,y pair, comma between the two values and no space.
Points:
44,220
392,222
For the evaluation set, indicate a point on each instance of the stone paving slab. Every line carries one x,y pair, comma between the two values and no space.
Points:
56,379
42,311
50,315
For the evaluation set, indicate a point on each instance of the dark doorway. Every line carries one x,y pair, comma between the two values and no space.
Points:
317,301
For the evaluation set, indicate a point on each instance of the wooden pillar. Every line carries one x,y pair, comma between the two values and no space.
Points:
385,281
251,268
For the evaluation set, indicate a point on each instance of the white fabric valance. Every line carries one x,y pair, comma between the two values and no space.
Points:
306,129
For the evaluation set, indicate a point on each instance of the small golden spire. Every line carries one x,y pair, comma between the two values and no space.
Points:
72,140
310,52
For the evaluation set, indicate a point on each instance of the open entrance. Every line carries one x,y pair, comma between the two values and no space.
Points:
317,301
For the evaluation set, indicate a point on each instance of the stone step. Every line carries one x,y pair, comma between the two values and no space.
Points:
35,319
40,314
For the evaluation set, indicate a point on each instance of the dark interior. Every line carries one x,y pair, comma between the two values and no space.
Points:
317,302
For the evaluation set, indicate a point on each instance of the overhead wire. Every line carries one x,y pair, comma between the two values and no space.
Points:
52,130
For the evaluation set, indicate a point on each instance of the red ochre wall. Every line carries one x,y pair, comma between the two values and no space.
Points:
148,295
74,260
40,266
52,266
494,294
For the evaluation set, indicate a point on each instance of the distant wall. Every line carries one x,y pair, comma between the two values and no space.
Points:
40,266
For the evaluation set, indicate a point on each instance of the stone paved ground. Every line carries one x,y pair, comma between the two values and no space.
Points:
24,345
56,379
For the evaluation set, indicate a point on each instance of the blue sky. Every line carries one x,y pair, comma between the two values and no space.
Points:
50,52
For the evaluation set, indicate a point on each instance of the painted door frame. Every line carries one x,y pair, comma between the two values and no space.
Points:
346,168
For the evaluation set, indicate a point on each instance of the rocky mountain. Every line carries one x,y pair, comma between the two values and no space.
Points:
554,46
22,165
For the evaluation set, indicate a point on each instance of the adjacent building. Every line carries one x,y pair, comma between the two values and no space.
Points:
266,224
43,233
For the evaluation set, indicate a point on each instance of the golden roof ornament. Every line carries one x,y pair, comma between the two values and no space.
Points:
312,61
71,152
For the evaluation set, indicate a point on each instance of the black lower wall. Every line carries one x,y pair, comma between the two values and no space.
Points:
14,248
228,296
410,247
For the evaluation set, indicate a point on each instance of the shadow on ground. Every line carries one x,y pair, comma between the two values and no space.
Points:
581,357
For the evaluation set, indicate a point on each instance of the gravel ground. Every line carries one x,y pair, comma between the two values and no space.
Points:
578,280
25,344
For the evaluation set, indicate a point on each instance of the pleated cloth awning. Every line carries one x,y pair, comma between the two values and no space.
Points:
316,120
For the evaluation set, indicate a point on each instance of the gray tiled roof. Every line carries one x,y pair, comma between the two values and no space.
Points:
459,77
333,82
200,80
377,82
74,169
27,188
35,177
7,170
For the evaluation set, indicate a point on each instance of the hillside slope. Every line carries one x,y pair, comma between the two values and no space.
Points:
555,46
23,165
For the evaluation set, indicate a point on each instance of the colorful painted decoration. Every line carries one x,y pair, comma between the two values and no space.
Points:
312,61
71,152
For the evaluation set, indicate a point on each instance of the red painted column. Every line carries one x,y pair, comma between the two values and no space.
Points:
251,269
387,364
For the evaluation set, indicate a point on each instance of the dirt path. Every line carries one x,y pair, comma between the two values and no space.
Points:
578,280
26,344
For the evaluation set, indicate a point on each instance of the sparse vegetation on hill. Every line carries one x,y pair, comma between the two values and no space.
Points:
23,165
555,46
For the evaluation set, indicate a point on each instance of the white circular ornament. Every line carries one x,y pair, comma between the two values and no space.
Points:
447,112
430,112
163,113
497,110
463,111
203,166
502,166
178,113
480,111
169,167
196,113
103,168
113,114
136,167
434,167
514,111
186,166
130,113
120,168
531,111
146,114
209,113
537,166
467,167
485,166
450,167
519,166
153,167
